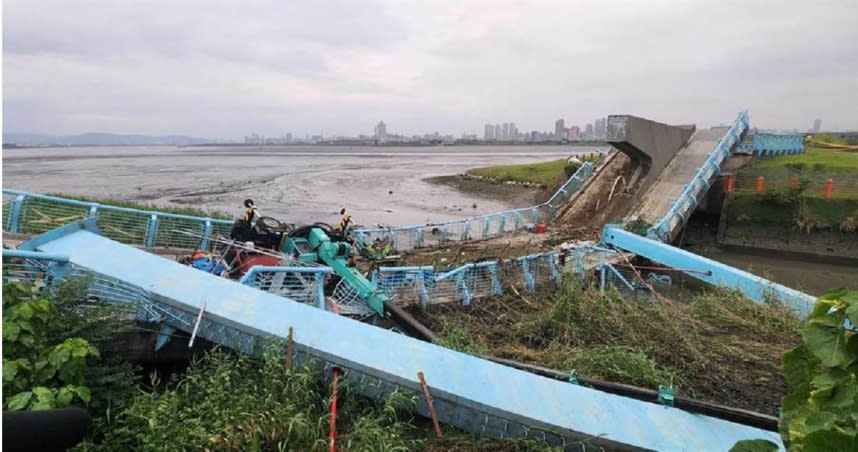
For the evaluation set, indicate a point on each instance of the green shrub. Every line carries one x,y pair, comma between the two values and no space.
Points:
39,373
232,402
820,413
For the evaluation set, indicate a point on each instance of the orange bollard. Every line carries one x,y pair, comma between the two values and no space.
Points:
731,183
761,181
793,182
829,188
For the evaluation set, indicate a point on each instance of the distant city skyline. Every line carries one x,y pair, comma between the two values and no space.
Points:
277,67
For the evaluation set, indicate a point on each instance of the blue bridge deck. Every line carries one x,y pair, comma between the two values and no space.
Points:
469,392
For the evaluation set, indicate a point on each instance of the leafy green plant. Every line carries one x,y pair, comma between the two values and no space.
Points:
38,374
820,413
822,408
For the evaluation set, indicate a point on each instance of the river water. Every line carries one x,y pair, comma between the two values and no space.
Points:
298,184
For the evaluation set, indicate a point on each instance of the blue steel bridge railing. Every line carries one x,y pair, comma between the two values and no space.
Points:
46,271
483,226
30,213
765,144
684,205
426,285
303,284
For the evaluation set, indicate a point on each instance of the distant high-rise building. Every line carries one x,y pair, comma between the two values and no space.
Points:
574,133
289,137
558,129
505,131
498,133
588,132
381,130
513,131
599,127
817,126
534,135
488,132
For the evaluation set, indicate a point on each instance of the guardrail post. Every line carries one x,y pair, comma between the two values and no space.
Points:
93,211
602,277
207,232
466,230
497,288
392,237
517,220
15,214
320,290
57,271
534,214
528,277
502,223
486,223
418,238
421,289
151,231
463,288
555,272
443,234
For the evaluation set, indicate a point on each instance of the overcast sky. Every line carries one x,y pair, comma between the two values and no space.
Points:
227,69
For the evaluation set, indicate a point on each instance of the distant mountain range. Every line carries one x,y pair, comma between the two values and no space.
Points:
98,139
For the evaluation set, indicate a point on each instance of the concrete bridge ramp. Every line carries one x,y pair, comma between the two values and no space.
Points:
646,147
667,187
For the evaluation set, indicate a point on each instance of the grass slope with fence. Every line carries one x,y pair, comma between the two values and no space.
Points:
817,190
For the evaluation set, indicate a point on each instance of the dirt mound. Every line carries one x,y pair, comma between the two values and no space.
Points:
608,197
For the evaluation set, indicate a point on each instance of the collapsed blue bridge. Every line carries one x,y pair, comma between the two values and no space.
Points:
469,392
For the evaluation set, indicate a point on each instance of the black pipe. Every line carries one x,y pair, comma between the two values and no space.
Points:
44,430
738,415
407,321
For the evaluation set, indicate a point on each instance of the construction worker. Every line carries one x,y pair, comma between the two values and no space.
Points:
344,222
251,213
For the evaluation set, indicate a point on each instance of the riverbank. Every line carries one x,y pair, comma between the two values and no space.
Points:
521,185
800,206
517,195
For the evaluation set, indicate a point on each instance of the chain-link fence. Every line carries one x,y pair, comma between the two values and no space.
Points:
303,284
816,182
426,285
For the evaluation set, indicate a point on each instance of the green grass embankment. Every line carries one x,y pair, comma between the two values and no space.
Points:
543,173
813,159
549,176
804,206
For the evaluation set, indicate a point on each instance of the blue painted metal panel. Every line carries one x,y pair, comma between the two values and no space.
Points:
469,392
767,144
15,214
22,254
755,288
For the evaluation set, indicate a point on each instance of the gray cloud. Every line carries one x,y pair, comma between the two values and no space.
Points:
225,69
